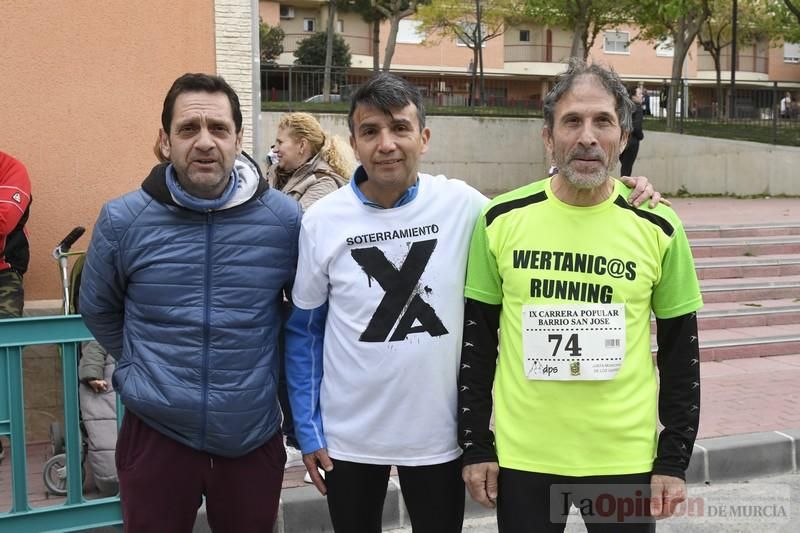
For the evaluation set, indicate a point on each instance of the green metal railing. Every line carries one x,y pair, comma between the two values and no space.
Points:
76,513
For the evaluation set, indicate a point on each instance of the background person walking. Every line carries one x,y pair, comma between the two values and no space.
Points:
628,155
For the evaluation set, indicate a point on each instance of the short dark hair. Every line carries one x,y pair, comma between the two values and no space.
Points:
610,81
386,91
192,83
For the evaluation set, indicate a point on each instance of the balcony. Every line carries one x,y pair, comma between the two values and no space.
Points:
757,64
359,44
302,3
535,53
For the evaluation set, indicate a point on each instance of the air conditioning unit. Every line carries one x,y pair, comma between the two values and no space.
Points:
287,12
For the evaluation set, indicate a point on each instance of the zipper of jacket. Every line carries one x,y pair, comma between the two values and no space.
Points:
206,324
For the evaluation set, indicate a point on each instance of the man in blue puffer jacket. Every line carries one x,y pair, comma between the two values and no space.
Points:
182,285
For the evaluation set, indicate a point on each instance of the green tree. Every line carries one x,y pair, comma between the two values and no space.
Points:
333,7
330,33
787,13
311,53
794,8
679,20
585,18
374,18
271,41
394,11
755,23
472,22
375,12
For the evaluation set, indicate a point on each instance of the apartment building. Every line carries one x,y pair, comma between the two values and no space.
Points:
521,64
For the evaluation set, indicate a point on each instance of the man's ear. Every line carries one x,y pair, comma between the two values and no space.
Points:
548,140
239,141
163,141
353,146
425,137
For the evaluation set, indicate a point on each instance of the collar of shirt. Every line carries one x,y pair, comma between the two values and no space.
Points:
360,176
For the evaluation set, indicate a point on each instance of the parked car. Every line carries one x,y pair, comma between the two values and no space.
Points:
319,99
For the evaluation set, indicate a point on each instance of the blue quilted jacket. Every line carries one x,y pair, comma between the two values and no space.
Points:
188,303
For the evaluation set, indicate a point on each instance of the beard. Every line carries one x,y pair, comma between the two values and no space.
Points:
586,180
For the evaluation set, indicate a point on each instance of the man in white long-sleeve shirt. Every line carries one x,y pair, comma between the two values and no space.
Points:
374,339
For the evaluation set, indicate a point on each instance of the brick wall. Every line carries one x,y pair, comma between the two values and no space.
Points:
234,44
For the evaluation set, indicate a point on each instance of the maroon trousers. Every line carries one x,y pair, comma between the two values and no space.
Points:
162,483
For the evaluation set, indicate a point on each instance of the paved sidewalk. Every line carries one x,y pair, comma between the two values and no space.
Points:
731,211
749,395
755,394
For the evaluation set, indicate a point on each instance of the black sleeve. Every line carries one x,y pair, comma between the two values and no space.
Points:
679,393
475,380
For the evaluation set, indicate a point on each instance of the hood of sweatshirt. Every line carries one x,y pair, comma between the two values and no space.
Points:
247,183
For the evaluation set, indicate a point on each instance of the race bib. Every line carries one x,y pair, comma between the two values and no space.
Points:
573,341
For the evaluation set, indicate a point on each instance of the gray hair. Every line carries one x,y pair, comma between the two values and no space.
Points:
609,80
387,92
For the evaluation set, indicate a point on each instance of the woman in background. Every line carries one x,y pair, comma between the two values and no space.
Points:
310,163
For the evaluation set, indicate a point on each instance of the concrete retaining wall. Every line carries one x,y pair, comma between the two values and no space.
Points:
498,154
701,165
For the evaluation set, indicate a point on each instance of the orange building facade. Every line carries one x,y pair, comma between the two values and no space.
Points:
81,97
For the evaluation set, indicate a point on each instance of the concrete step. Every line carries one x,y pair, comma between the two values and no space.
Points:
735,348
713,231
745,246
776,312
754,289
746,314
750,279
743,267
756,341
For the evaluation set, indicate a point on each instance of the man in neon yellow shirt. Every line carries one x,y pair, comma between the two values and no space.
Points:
569,272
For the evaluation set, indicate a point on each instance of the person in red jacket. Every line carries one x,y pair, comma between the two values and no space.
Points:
15,200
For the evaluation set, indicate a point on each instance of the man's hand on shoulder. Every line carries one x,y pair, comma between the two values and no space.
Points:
642,190
314,461
667,493
481,481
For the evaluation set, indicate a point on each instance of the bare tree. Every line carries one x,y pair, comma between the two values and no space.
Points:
394,11
679,20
